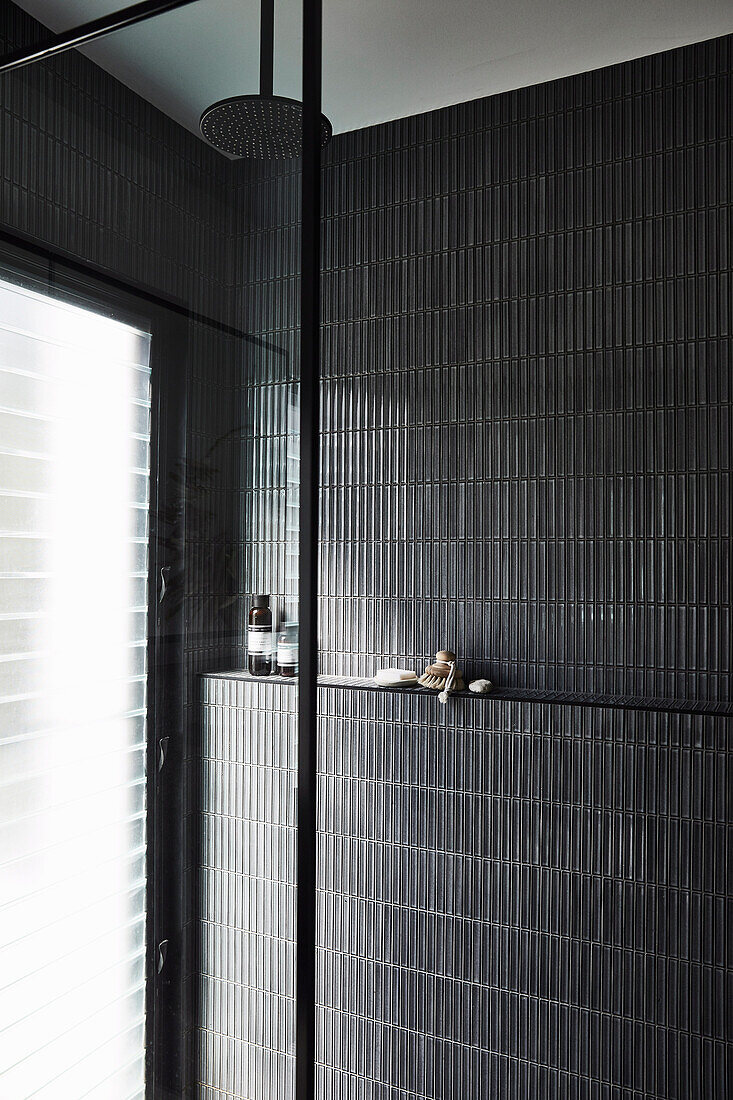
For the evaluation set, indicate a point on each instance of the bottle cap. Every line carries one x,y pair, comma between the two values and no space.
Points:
260,601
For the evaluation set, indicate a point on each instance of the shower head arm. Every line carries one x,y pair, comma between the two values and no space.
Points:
267,45
262,126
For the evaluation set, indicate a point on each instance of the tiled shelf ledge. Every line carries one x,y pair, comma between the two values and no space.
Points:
509,695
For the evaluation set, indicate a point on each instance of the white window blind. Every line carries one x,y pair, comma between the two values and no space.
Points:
74,481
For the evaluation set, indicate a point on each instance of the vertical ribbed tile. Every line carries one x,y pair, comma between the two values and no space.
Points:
526,363
246,886
521,900
524,900
526,417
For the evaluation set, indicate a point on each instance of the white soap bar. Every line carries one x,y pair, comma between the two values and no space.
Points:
389,677
481,687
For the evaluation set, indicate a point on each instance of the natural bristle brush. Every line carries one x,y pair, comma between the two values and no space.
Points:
436,676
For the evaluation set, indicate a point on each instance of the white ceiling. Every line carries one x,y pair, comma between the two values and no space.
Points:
383,59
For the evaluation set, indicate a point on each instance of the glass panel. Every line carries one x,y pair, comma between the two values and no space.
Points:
121,200
249,785
75,391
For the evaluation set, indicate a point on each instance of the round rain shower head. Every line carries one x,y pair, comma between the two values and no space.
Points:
260,127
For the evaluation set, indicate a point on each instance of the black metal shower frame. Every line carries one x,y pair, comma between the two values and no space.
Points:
168,319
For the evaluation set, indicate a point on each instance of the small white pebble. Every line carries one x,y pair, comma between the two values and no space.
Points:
481,687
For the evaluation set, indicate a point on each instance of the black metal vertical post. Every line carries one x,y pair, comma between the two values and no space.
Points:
308,552
267,46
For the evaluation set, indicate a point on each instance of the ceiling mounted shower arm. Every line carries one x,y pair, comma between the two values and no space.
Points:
88,32
264,126
267,46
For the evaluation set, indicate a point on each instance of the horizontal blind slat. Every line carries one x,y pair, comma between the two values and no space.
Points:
75,414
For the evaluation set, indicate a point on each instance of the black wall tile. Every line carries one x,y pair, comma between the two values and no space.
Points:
526,373
526,418
526,376
535,886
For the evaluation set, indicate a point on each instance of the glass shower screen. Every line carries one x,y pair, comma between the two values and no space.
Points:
150,471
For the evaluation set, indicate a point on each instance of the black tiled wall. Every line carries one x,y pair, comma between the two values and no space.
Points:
526,901
248,889
526,456
526,363
522,901
268,306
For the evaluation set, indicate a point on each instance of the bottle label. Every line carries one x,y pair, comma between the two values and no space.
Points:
287,654
259,639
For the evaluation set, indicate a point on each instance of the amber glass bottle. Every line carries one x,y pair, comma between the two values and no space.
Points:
259,637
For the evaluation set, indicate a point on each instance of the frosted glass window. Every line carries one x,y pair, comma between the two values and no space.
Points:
74,490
